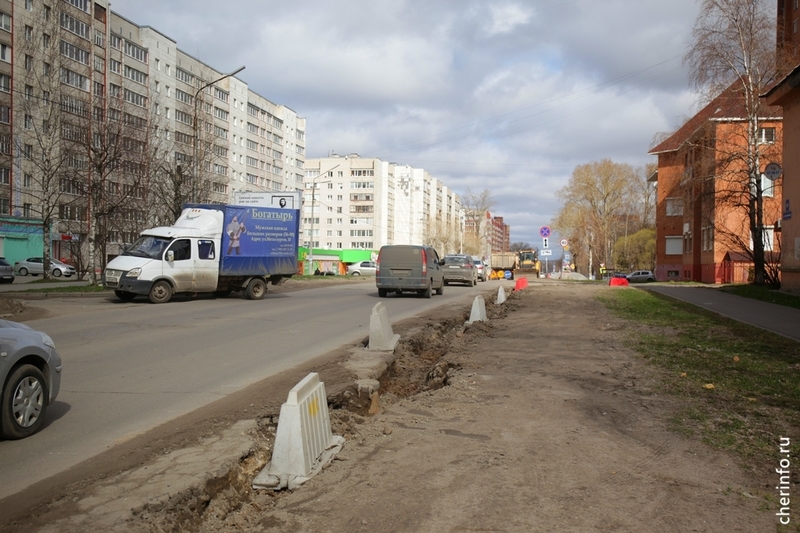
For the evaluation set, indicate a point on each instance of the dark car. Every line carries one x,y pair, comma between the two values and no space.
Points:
459,268
408,268
6,271
30,376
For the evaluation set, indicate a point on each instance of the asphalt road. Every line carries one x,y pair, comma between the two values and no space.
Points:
131,366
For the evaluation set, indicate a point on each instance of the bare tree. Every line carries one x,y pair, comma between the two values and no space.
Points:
597,201
734,50
476,205
444,237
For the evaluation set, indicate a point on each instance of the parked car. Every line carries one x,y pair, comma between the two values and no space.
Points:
33,266
459,268
483,270
403,268
640,276
30,376
6,271
363,268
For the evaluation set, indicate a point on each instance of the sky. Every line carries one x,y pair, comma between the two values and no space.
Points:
504,95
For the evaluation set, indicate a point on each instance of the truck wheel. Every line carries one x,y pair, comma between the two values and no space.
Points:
382,293
427,293
24,403
160,292
256,289
125,296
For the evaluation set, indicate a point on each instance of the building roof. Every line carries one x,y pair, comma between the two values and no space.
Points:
729,105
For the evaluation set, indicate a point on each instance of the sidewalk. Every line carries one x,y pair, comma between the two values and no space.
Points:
778,319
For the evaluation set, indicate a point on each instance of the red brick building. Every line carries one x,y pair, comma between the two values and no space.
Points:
702,234
786,93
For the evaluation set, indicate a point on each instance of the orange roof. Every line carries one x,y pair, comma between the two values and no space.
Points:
729,105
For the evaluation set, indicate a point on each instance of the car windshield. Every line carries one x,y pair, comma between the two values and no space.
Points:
455,260
148,246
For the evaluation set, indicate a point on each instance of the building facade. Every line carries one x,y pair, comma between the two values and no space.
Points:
107,127
702,228
353,202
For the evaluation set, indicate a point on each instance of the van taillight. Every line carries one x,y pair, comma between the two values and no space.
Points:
424,263
378,265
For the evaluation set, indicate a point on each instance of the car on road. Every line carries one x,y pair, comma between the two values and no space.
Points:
483,270
30,375
34,267
6,271
641,276
459,268
362,268
409,268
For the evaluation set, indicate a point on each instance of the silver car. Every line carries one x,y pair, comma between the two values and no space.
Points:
30,374
459,268
362,268
6,271
641,276
33,266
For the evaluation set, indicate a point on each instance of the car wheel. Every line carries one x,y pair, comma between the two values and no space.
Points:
256,289
160,292
382,293
471,283
56,273
440,290
427,293
356,273
23,271
24,402
125,296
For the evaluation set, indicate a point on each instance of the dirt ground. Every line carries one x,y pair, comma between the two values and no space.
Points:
537,420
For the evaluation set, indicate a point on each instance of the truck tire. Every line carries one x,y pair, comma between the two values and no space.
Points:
125,296
24,403
427,293
382,293
256,289
160,292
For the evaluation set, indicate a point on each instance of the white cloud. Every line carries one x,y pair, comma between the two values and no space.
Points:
496,94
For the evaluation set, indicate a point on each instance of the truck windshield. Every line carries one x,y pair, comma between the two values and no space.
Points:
148,246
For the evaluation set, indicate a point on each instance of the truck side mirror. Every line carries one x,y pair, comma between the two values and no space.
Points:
171,256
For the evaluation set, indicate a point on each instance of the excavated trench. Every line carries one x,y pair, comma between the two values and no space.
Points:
420,365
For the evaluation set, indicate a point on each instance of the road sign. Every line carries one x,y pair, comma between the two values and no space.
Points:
564,242
545,242
546,252
544,231
773,171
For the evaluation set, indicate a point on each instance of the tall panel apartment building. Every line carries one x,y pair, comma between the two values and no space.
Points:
354,202
107,127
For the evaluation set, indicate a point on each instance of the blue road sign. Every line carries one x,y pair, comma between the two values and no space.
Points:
507,274
544,231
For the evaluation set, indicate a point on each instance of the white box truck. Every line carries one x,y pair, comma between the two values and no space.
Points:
210,249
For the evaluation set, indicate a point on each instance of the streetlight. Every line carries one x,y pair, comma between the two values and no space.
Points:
196,136
311,235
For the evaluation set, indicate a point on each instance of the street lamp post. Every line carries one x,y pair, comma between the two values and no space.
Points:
196,133
311,234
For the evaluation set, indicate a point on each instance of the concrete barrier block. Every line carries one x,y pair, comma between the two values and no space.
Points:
501,296
381,336
304,442
478,313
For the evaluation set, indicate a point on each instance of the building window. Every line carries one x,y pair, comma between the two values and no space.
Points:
765,136
5,176
5,83
767,187
674,207
5,22
674,245
5,114
29,5
5,53
28,122
5,206
28,32
27,210
28,62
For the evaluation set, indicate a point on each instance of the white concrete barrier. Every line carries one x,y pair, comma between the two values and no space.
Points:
501,295
304,442
381,336
478,313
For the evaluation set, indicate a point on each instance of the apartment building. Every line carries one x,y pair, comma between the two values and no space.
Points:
107,127
352,202
702,230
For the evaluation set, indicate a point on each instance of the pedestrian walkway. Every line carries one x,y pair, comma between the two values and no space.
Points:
776,318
